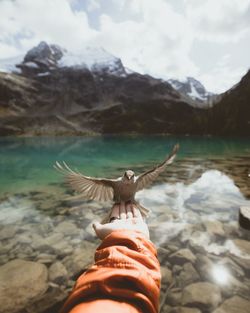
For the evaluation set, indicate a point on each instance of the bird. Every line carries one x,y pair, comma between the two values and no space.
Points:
121,189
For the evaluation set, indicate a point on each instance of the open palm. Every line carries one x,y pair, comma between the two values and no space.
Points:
123,217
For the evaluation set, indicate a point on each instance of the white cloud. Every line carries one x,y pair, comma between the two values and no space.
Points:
31,21
157,41
152,45
93,5
222,76
219,20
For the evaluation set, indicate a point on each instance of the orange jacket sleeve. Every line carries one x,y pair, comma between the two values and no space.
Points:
126,273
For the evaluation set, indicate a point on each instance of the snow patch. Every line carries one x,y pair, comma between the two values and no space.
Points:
31,64
43,74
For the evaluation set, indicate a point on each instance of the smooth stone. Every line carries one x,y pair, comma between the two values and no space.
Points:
58,273
8,247
46,258
187,276
243,246
49,302
167,277
174,297
162,255
24,238
20,283
182,309
63,248
202,294
46,243
8,232
204,266
235,304
182,256
80,259
67,228
214,228
244,217
3,259
165,309
177,269
244,263
54,238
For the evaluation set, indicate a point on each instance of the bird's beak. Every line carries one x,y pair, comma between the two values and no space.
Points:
130,176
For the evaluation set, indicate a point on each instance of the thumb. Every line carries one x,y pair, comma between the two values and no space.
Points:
97,226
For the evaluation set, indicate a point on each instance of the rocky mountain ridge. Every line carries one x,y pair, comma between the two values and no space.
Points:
194,89
56,93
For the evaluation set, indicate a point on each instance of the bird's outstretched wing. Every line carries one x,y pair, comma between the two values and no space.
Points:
90,187
148,177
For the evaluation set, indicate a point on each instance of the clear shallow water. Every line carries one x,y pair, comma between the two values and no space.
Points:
27,162
194,206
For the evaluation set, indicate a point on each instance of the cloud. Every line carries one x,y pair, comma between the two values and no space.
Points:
150,37
151,45
93,5
23,26
219,20
224,74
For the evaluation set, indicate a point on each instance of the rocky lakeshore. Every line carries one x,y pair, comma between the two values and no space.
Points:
46,243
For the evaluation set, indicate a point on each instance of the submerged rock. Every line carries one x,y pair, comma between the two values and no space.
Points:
214,228
182,309
79,260
203,294
58,273
235,304
21,282
182,256
67,228
187,276
243,246
244,217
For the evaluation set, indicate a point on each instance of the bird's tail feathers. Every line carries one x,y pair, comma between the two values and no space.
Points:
144,211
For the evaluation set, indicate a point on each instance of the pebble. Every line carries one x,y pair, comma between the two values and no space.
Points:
182,256
235,304
21,282
202,294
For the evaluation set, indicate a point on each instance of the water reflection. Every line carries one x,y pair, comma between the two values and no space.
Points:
220,274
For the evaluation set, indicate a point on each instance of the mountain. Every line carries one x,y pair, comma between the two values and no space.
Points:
231,115
193,89
51,91
56,92
44,58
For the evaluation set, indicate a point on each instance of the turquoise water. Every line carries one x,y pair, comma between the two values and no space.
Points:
27,162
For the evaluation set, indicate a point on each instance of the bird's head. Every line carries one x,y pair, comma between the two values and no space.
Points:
129,175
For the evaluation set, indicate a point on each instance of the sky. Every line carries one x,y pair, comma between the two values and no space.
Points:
205,39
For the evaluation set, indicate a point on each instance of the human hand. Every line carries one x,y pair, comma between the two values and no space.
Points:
123,217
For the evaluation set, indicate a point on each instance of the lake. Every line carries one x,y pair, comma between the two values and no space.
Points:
193,222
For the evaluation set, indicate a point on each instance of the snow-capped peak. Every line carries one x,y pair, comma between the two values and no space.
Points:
95,59
192,88
46,57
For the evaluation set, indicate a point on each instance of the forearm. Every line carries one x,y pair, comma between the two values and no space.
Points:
126,268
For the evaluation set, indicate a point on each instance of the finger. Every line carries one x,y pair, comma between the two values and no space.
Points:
137,212
115,211
97,227
129,209
123,214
